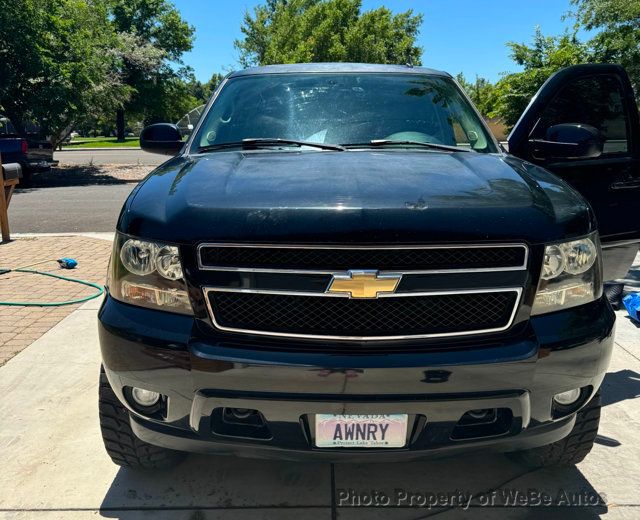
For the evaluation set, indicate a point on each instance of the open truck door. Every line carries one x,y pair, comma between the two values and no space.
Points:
583,126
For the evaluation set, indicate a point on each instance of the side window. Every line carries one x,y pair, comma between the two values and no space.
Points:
596,101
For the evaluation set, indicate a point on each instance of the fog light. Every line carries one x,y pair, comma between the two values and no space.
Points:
144,397
568,397
479,414
241,413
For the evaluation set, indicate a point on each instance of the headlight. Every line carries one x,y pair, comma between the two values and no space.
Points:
571,275
138,256
168,263
148,274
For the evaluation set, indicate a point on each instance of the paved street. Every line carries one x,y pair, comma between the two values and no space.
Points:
68,208
108,156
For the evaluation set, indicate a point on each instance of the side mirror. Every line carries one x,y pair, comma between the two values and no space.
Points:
162,138
568,141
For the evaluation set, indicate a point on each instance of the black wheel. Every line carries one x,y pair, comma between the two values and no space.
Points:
613,292
27,176
124,448
573,448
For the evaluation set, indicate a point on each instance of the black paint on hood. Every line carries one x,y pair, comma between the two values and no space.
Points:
394,196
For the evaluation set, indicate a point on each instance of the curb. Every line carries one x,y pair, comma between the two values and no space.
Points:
101,235
105,149
117,181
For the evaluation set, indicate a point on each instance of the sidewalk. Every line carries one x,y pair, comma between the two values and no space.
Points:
21,326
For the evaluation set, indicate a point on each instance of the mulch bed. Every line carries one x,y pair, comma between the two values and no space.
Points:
73,175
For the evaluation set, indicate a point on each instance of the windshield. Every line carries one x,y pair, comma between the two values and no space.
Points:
346,109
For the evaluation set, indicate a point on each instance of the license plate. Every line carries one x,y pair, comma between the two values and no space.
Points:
361,431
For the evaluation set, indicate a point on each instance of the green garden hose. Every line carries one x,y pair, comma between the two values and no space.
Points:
53,304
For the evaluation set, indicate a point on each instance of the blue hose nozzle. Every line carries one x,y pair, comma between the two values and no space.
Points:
67,263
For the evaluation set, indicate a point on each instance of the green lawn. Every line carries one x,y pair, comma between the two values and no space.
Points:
101,142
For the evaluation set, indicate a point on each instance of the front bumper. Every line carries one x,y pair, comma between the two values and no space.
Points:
202,374
43,165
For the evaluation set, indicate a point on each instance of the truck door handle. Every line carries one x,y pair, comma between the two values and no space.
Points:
625,185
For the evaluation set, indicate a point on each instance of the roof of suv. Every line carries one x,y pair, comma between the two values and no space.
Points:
336,67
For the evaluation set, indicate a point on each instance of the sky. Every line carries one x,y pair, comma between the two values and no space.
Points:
465,36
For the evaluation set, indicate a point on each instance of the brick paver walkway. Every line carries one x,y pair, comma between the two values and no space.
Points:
21,326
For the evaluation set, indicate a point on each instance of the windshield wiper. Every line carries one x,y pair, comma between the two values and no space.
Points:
392,142
256,142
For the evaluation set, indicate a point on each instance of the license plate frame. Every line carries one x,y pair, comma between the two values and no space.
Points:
361,431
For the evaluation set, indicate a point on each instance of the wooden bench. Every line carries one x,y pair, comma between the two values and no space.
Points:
9,177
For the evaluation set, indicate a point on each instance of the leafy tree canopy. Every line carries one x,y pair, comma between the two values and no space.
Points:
65,62
617,40
203,91
481,92
57,62
294,31
618,37
546,55
155,22
154,39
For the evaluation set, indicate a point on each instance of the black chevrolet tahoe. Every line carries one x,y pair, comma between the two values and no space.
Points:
341,263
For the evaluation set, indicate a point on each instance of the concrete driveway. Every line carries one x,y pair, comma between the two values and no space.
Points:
53,466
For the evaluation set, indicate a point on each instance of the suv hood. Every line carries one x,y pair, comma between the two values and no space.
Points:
390,196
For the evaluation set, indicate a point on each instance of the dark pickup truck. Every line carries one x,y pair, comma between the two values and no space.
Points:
33,153
341,263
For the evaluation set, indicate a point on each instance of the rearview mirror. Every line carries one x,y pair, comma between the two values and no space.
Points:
568,141
162,138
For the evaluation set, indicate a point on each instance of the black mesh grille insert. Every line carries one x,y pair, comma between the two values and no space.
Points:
395,316
380,259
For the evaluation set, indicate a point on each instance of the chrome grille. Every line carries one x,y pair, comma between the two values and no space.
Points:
341,258
344,318
282,290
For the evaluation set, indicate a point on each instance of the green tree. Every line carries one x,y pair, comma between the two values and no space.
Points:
203,91
546,55
618,39
154,39
291,31
57,59
481,92
171,99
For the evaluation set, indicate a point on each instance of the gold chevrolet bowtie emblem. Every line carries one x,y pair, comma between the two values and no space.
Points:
364,284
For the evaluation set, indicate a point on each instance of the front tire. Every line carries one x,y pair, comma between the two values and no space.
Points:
573,448
122,445
613,292
27,176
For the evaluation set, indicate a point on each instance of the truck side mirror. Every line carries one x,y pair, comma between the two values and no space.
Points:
568,141
162,138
